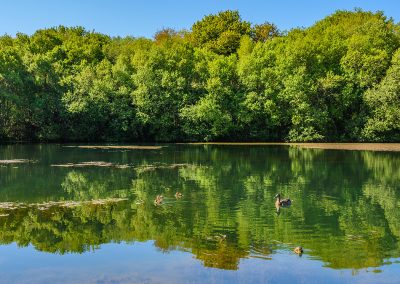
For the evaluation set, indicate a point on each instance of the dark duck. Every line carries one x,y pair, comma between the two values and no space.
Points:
282,202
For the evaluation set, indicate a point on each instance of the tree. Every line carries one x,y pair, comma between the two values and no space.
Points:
224,79
163,85
383,123
15,82
215,114
168,34
260,115
325,70
264,32
220,33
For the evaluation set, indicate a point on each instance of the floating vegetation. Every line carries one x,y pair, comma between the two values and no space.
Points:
92,164
132,147
9,206
146,168
16,161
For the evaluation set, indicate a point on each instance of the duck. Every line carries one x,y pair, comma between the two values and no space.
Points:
178,195
298,250
159,199
282,202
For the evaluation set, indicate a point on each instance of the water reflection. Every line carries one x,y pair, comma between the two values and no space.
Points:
344,212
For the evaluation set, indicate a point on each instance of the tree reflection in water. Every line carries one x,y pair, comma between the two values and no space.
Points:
345,208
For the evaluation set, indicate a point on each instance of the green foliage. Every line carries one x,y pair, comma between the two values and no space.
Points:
264,32
326,68
213,115
383,100
220,33
164,85
223,80
99,103
14,81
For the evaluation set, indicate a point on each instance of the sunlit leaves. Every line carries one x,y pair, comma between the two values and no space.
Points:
223,79
220,33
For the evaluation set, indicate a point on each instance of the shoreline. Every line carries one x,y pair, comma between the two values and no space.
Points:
384,147
381,147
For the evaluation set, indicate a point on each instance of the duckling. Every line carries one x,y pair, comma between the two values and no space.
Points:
178,195
282,202
159,199
298,250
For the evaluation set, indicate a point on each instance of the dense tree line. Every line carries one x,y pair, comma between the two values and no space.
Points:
224,79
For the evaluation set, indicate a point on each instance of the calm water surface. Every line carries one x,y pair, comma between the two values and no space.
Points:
92,224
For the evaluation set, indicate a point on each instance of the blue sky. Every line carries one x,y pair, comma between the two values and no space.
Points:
145,17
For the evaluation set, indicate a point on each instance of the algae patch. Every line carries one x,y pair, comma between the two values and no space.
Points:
10,206
16,161
92,164
131,147
153,167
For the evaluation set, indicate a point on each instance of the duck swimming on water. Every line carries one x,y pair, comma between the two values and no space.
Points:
159,199
298,250
282,202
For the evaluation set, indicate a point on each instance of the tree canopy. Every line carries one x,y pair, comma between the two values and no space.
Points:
224,79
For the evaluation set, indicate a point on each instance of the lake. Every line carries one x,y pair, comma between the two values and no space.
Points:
72,214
